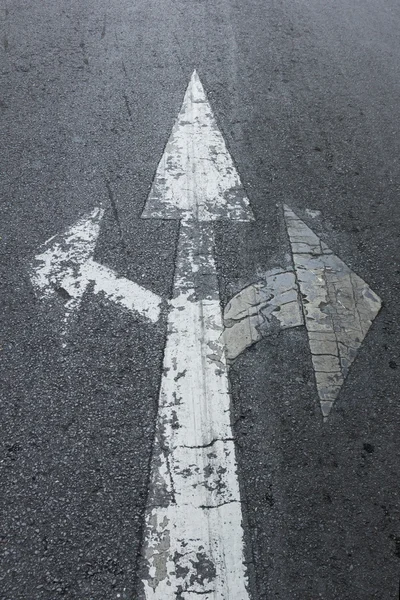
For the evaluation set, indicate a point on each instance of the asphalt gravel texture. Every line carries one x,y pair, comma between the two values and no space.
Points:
306,94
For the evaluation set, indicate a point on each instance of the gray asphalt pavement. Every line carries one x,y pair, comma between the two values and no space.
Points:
306,94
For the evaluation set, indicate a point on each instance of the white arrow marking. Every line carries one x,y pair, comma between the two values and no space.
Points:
122,291
67,267
58,266
338,305
194,536
196,175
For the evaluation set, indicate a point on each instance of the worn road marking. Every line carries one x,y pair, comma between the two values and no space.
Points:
66,268
261,309
338,308
196,175
193,542
194,538
338,305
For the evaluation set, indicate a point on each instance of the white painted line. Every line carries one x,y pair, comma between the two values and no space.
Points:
194,537
122,291
339,308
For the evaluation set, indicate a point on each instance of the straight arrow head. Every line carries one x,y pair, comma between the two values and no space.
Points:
338,306
196,178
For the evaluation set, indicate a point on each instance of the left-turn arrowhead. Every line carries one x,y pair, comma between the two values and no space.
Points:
196,178
66,267
59,267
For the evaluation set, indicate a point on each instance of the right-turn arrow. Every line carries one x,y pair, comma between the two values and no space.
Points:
335,304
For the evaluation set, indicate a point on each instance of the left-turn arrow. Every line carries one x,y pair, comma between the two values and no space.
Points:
65,267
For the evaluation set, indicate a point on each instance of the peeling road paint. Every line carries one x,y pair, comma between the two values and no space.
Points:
193,535
338,308
338,305
194,538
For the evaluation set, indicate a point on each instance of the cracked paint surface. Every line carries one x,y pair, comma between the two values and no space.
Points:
193,539
338,305
260,309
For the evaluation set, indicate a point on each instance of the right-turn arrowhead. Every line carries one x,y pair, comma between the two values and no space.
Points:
338,306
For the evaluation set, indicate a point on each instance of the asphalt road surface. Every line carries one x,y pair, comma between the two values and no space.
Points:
306,96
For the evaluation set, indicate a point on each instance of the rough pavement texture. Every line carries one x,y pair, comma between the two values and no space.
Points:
306,95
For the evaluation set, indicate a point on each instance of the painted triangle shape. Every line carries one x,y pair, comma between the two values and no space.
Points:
196,178
338,306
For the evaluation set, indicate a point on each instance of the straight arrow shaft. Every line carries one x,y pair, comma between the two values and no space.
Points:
194,537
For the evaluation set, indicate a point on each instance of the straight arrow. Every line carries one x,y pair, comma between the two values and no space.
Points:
194,537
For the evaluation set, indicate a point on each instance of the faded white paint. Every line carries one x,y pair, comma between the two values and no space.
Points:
67,267
194,537
338,305
57,265
260,309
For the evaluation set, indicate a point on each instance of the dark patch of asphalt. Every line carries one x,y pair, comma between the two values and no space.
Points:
306,94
